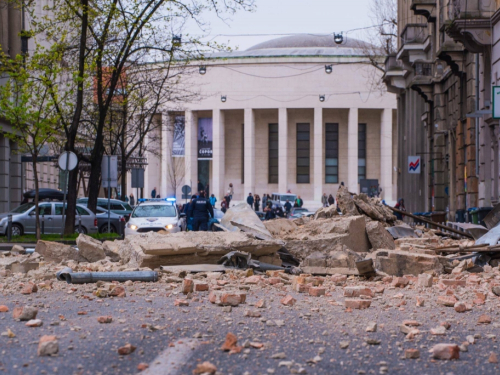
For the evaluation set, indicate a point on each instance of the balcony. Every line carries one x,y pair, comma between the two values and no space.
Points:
426,8
394,75
415,42
470,23
423,80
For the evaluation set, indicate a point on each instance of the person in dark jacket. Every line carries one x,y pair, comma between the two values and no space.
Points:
257,202
201,210
270,212
279,212
200,187
288,206
153,193
331,200
250,199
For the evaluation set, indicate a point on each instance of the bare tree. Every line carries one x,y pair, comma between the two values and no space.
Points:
382,39
176,172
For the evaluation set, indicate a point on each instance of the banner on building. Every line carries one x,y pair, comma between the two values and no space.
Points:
179,137
414,164
496,102
205,139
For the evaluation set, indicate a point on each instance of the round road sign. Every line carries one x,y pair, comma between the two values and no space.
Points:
68,161
186,189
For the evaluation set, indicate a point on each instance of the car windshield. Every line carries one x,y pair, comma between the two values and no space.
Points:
127,207
291,198
154,210
23,208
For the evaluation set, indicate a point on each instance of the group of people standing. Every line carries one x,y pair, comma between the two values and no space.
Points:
327,201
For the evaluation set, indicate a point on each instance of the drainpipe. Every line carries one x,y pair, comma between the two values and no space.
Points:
477,118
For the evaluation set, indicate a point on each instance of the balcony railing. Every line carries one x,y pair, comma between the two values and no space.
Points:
470,9
414,33
392,63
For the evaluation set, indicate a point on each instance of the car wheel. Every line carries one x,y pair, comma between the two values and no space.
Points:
81,230
104,229
17,230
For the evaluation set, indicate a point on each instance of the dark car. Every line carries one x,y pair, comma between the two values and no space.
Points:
117,206
115,221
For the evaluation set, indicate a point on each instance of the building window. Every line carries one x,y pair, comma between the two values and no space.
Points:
303,153
273,153
331,153
361,152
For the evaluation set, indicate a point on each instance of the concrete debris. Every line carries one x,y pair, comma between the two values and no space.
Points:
242,214
399,263
57,252
339,260
379,237
90,248
48,346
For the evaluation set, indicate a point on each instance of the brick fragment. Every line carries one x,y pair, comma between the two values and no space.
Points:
357,291
118,291
187,286
484,319
425,280
201,287
412,353
288,301
317,291
448,301
358,304
4,308
24,313
105,319
400,282
127,349
445,351
47,346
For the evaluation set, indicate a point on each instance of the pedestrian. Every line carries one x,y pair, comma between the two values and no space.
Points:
264,201
201,210
153,193
250,200
270,212
223,205
257,202
288,207
132,200
230,193
279,211
300,201
331,200
401,207
200,187
213,200
324,200
207,190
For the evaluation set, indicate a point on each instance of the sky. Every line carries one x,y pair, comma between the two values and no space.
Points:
288,17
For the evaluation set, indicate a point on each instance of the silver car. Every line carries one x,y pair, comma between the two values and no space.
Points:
24,219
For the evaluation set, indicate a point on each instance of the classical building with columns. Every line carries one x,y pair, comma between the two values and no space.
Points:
295,114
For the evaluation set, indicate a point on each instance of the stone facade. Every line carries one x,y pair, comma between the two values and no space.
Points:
280,82
443,76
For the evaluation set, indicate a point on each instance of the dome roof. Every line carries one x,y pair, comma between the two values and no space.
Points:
302,45
308,41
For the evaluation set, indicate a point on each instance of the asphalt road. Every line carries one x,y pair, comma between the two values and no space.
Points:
304,338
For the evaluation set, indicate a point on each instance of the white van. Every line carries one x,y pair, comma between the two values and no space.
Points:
280,199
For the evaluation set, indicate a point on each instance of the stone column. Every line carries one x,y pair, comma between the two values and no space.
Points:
171,168
165,158
386,153
219,155
191,150
283,150
318,154
249,152
352,151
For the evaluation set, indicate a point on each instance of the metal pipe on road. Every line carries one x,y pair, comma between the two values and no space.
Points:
92,277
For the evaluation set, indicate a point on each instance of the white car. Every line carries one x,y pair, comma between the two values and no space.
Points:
153,216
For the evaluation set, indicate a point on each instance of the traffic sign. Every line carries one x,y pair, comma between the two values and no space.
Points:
68,161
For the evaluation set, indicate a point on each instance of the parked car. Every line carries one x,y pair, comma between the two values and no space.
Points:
218,214
24,219
115,221
299,210
43,194
279,199
154,216
117,206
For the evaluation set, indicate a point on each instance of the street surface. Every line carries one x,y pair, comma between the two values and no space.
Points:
317,335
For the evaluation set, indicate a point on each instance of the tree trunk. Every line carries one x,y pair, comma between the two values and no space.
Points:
94,187
69,225
37,209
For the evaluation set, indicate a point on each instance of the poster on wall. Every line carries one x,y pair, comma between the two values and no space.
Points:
414,164
205,139
179,137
